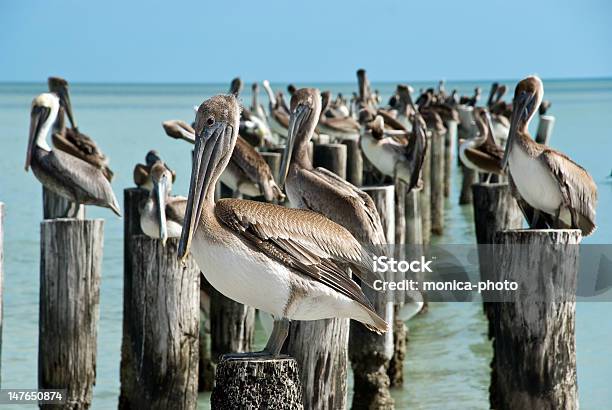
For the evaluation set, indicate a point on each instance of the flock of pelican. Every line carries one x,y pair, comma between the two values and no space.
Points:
295,262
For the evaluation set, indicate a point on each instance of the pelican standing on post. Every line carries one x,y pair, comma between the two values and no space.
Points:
161,216
321,190
548,185
67,176
142,172
290,263
71,140
339,128
481,153
279,117
393,156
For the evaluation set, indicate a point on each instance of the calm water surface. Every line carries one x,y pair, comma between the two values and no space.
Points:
448,354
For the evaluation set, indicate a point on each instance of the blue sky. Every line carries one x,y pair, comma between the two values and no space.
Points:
308,40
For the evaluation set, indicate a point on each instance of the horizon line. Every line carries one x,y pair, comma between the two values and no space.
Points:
122,82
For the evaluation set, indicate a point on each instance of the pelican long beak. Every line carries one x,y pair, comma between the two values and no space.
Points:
206,157
38,116
179,130
65,101
297,118
520,113
159,190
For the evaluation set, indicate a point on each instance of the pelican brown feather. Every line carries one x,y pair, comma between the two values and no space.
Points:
578,190
304,241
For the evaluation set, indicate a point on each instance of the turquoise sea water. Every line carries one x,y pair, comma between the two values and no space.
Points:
448,356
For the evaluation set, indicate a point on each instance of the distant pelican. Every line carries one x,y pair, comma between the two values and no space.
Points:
279,117
291,89
481,153
247,172
62,173
340,128
287,262
256,131
256,108
142,172
405,106
161,216
399,158
236,86
71,140
546,181
473,100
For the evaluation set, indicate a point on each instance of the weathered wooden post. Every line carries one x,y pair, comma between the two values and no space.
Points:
467,129
396,362
449,148
400,218
354,162
1,282
56,206
414,230
273,159
534,364
413,236
332,157
70,265
322,344
437,181
469,178
425,195
206,367
369,352
257,383
545,129
132,197
494,210
165,317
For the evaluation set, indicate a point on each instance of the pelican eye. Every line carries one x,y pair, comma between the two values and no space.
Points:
210,121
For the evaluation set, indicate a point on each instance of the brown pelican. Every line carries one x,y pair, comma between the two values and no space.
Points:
399,158
256,108
62,173
318,189
547,183
71,140
256,131
247,172
279,117
290,263
340,128
161,216
142,172
492,94
481,153
453,99
405,106
291,89
236,86
544,107
365,98
473,100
